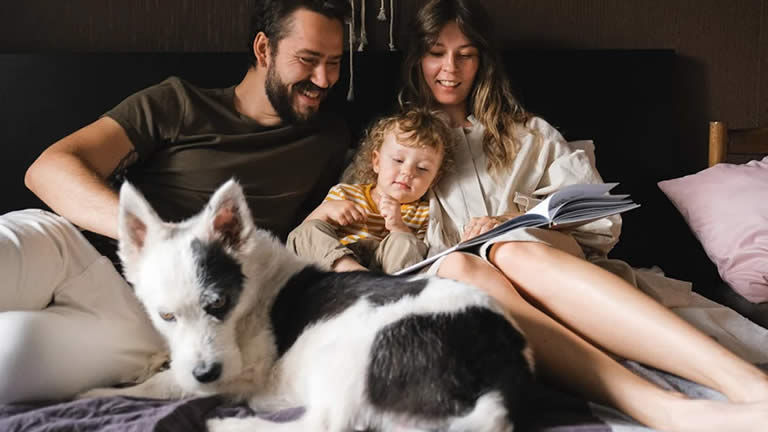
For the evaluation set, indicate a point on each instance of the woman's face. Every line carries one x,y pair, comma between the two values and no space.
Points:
449,68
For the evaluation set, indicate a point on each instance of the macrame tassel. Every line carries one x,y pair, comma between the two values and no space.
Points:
391,25
351,89
382,14
363,35
352,37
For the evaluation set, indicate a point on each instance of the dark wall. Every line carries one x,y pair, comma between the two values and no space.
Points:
123,25
727,38
47,96
715,74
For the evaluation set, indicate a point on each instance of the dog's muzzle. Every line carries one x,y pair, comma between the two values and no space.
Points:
207,372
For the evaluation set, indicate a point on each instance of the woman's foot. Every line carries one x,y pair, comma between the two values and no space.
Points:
713,416
749,386
753,391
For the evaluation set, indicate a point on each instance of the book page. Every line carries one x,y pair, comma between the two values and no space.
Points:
592,204
573,205
583,216
550,206
577,192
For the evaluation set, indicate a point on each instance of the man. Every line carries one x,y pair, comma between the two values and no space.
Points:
68,320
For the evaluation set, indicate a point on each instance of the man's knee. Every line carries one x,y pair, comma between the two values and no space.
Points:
11,267
20,354
45,356
39,251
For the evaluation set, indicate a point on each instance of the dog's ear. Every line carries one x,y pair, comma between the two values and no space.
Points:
229,217
135,220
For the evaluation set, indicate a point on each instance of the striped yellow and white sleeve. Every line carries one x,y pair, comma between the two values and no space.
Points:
416,217
349,192
336,193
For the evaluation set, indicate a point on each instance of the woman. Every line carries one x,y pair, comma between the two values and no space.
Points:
572,311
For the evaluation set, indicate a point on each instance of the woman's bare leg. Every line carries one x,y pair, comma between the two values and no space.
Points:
566,358
613,314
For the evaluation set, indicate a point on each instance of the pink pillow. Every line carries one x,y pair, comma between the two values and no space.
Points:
726,207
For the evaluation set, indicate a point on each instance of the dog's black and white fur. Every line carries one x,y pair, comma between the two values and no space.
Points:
244,316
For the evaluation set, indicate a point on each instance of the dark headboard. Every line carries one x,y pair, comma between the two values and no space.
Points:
629,102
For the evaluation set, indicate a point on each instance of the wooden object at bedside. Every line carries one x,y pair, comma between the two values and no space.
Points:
736,145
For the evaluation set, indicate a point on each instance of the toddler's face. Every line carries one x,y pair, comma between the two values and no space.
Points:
405,173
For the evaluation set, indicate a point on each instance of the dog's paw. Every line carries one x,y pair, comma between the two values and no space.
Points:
100,392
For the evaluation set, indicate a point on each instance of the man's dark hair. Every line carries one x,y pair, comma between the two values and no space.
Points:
273,18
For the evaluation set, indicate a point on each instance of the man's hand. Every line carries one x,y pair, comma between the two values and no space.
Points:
339,212
393,217
479,225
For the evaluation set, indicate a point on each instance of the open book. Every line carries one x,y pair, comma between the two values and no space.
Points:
570,206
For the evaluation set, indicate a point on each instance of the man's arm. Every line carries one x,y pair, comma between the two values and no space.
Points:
71,175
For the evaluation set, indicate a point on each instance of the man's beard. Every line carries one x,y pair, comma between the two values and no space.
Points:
281,97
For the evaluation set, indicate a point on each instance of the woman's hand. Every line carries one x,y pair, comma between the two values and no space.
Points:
393,217
339,212
479,225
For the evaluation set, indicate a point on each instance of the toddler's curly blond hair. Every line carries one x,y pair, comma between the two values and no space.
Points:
417,127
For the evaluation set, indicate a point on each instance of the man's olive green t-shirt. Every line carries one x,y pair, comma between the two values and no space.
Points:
190,140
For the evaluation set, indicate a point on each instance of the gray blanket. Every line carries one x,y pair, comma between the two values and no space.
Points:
549,410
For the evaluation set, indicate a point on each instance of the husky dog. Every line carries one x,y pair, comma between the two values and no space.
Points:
243,316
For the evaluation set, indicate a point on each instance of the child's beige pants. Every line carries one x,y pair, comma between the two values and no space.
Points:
317,240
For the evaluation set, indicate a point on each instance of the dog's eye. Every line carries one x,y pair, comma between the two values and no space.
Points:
167,316
218,303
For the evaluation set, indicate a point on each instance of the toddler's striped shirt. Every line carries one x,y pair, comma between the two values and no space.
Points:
415,214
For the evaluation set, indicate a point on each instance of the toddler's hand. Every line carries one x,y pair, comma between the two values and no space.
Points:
393,217
340,212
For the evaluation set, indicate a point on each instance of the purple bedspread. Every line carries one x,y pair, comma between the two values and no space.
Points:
115,414
549,411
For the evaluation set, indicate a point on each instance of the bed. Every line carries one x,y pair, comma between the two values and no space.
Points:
627,102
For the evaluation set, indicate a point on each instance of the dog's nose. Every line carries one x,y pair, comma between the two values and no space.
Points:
207,372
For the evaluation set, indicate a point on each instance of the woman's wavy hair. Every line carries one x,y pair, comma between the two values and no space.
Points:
416,127
491,100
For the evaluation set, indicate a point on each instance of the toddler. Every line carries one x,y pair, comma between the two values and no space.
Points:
379,222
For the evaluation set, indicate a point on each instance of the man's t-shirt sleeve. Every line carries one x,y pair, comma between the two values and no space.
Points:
151,117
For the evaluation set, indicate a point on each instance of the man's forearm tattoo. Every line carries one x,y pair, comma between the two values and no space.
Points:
118,175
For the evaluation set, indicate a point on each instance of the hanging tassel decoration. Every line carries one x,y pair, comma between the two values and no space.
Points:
352,37
363,34
382,16
391,25
351,89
